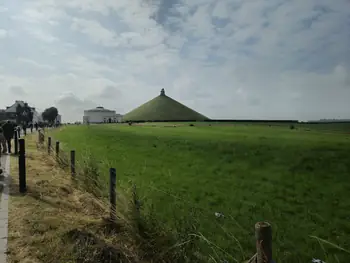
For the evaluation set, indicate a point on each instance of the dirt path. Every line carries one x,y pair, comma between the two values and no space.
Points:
4,187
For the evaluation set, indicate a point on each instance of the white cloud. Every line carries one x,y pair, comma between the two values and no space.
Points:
34,64
42,35
3,9
72,107
18,91
110,93
227,59
221,9
95,31
3,33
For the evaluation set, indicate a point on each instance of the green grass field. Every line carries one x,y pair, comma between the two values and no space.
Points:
298,180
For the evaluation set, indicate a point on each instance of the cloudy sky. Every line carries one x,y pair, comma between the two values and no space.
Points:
224,58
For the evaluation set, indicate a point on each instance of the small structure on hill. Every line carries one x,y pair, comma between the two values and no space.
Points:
163,108
101,115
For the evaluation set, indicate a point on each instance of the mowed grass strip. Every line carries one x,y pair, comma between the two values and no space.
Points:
298,180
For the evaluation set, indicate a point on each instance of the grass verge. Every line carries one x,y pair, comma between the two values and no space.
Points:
54,222
58,221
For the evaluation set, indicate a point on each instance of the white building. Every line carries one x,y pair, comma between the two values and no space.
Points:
58,118
101,115
37,117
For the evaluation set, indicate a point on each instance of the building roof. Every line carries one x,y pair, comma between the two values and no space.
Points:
13,107
99,109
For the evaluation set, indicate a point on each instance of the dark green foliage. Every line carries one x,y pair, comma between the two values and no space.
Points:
24,115
50,114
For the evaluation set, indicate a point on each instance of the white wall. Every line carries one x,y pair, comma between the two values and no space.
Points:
119,118
99,116
37,117
59,118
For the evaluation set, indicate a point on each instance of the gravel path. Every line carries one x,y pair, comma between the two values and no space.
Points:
4,187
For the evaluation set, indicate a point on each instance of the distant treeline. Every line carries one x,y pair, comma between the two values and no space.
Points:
249,121
327,122
224,121
255,121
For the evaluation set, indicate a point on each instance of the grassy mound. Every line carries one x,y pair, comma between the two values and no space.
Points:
163,108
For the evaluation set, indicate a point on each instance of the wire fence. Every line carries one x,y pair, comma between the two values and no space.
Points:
190,220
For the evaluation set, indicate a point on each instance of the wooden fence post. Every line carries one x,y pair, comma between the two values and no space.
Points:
263,236
22,166
16,142
57,151
112,192
72,163
49,145
1,171
41,137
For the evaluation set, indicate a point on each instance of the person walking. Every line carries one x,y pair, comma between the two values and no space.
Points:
3,146
31,127
36,126
9,131
24,127
18,129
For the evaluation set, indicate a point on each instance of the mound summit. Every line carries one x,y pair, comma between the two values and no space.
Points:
163,108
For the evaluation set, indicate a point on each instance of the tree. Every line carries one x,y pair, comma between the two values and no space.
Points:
50,114
24,114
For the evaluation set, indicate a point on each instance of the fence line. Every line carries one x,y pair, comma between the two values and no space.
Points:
22,167
263,230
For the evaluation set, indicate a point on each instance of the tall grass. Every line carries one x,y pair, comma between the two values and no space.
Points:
275,174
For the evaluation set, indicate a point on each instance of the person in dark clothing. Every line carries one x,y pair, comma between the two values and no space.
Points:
36,126
18,129
31,127
3,146
24,127
9,131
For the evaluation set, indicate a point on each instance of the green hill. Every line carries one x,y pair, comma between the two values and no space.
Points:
163,108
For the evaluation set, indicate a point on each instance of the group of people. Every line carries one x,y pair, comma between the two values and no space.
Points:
7,132
30,126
